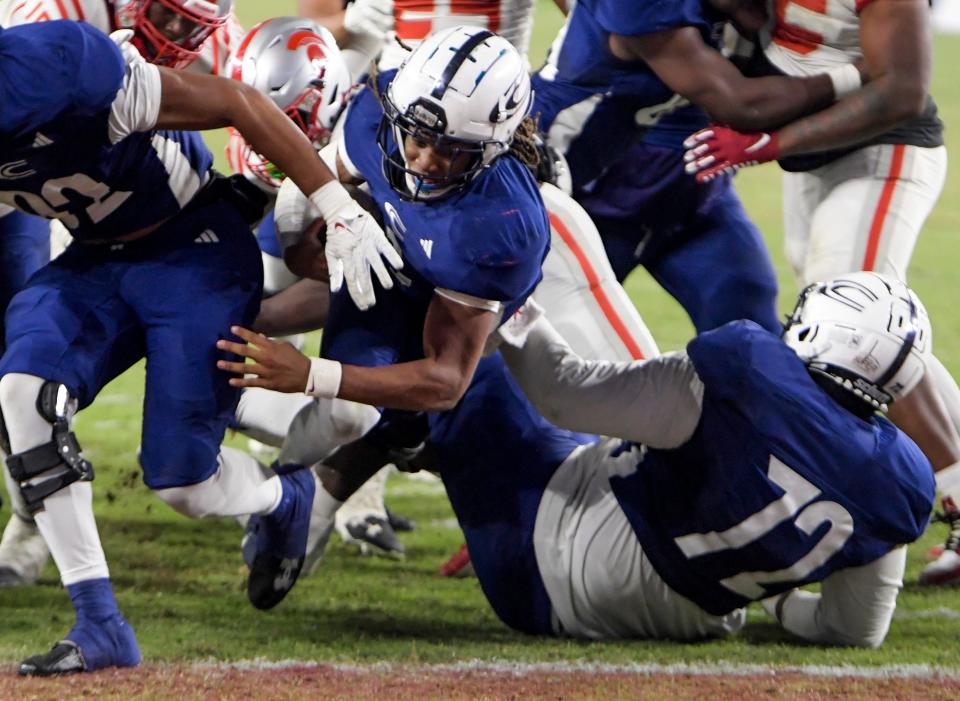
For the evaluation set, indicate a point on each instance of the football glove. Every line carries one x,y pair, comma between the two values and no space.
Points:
717,150
372,17
122,37
355,244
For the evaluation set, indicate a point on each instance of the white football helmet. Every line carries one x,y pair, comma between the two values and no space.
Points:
464,90
171,32
869,333
296,63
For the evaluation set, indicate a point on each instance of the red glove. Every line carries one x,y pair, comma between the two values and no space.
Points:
716,150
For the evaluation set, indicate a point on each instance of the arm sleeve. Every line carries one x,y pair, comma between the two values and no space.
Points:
293,214
137,104
854,606
655,402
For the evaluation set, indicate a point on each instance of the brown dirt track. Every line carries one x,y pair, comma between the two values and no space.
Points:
203,682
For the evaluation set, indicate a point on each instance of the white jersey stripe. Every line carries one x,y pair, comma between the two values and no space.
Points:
184,181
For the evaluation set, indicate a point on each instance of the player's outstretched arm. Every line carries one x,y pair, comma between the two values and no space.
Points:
190,101
895,37
700,73
355,243
454,336
656,402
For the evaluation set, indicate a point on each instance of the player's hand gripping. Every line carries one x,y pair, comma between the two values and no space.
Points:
355,244
717,150
276,365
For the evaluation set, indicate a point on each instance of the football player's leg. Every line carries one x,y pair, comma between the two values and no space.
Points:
579,290
802,193
377,336
877,201
266,416
719,270
363,519
900,185
24,249
69,334
188,402
495,487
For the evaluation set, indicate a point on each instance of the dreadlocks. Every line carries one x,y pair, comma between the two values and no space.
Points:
524,146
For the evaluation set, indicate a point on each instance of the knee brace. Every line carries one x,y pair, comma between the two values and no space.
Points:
58,463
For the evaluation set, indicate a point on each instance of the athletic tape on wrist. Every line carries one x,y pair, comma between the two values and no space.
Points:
845,79
331,199
324,378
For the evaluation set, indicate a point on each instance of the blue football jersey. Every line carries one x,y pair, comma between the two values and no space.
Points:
582,54
487,240
778,487
59,83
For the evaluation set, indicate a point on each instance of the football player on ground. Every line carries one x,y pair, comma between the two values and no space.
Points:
195,35
862,177
155,232
779,473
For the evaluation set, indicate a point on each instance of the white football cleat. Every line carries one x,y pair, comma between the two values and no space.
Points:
23,553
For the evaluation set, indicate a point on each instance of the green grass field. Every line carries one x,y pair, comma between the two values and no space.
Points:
181,582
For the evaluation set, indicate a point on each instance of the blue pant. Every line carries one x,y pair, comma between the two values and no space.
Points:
24,249
97,309
496,456
695,240
626,163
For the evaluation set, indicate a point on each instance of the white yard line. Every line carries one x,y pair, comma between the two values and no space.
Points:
905,671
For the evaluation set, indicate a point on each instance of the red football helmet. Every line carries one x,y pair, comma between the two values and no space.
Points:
171,32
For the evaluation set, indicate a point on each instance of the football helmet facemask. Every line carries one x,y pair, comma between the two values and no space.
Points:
868,333
171,32
462,92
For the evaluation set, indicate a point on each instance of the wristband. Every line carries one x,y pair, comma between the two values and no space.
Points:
846,79
324,378
331,198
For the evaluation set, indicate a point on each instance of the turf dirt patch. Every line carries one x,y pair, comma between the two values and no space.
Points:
281,682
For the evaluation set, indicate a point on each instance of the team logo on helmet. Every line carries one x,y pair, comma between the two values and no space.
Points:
512,100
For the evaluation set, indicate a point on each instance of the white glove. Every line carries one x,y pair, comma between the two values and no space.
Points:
372,17
355,244
121,38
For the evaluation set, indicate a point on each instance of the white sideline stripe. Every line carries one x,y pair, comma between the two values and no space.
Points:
941,612
904,671
758,614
